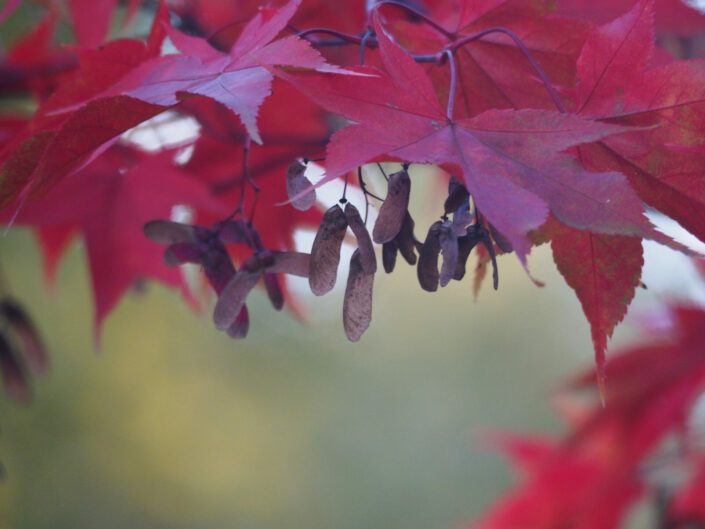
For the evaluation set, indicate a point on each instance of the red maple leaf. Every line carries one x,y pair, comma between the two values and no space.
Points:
508,159
493,71
604,270
236,79
108,202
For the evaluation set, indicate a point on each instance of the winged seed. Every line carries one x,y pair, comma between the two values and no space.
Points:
368,259
448,241
389,256
325,251
233,296
357,303
296,183
293,263
391,213
427,269
168,232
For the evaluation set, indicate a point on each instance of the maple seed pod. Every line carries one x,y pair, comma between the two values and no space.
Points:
389,256
325,251
500,239
392,211
448,241
232,298
364,242
241,325
427,269
13,377
357,303
182,252
465,245
406,241
296,182
274,290
232,231
168,232
32,346
292,263
457,196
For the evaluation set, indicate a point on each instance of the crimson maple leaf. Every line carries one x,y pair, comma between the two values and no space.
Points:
53,145
108,202
236,79
604,269
493,71
508,159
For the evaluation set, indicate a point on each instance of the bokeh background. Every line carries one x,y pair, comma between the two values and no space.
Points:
172,424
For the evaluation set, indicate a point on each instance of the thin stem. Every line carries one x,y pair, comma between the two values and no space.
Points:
544,78
343,200
363,43
246,178
364,192
443,31
453,83
379,165
345,37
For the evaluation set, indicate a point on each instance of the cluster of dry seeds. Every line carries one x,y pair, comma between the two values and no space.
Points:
453,237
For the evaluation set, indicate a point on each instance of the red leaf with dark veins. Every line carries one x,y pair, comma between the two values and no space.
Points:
110,201
508,159
237,79
87,132
613,56
604,271
670,98
492,71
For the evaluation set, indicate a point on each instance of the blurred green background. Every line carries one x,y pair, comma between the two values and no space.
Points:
172,424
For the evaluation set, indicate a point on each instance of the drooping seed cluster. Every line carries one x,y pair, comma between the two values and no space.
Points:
21,350
453,237
206,246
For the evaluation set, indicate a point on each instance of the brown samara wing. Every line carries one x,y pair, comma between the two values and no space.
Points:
292,263
12,373
457,196
34,352
241,325
296,183
274,290
406,241
448,241
389,256
168,232
232,298
368,259
427,269
325,251
500,240
357,303
392,210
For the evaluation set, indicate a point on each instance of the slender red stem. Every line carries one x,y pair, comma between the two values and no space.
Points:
453,83
443,31
453,46
345,37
